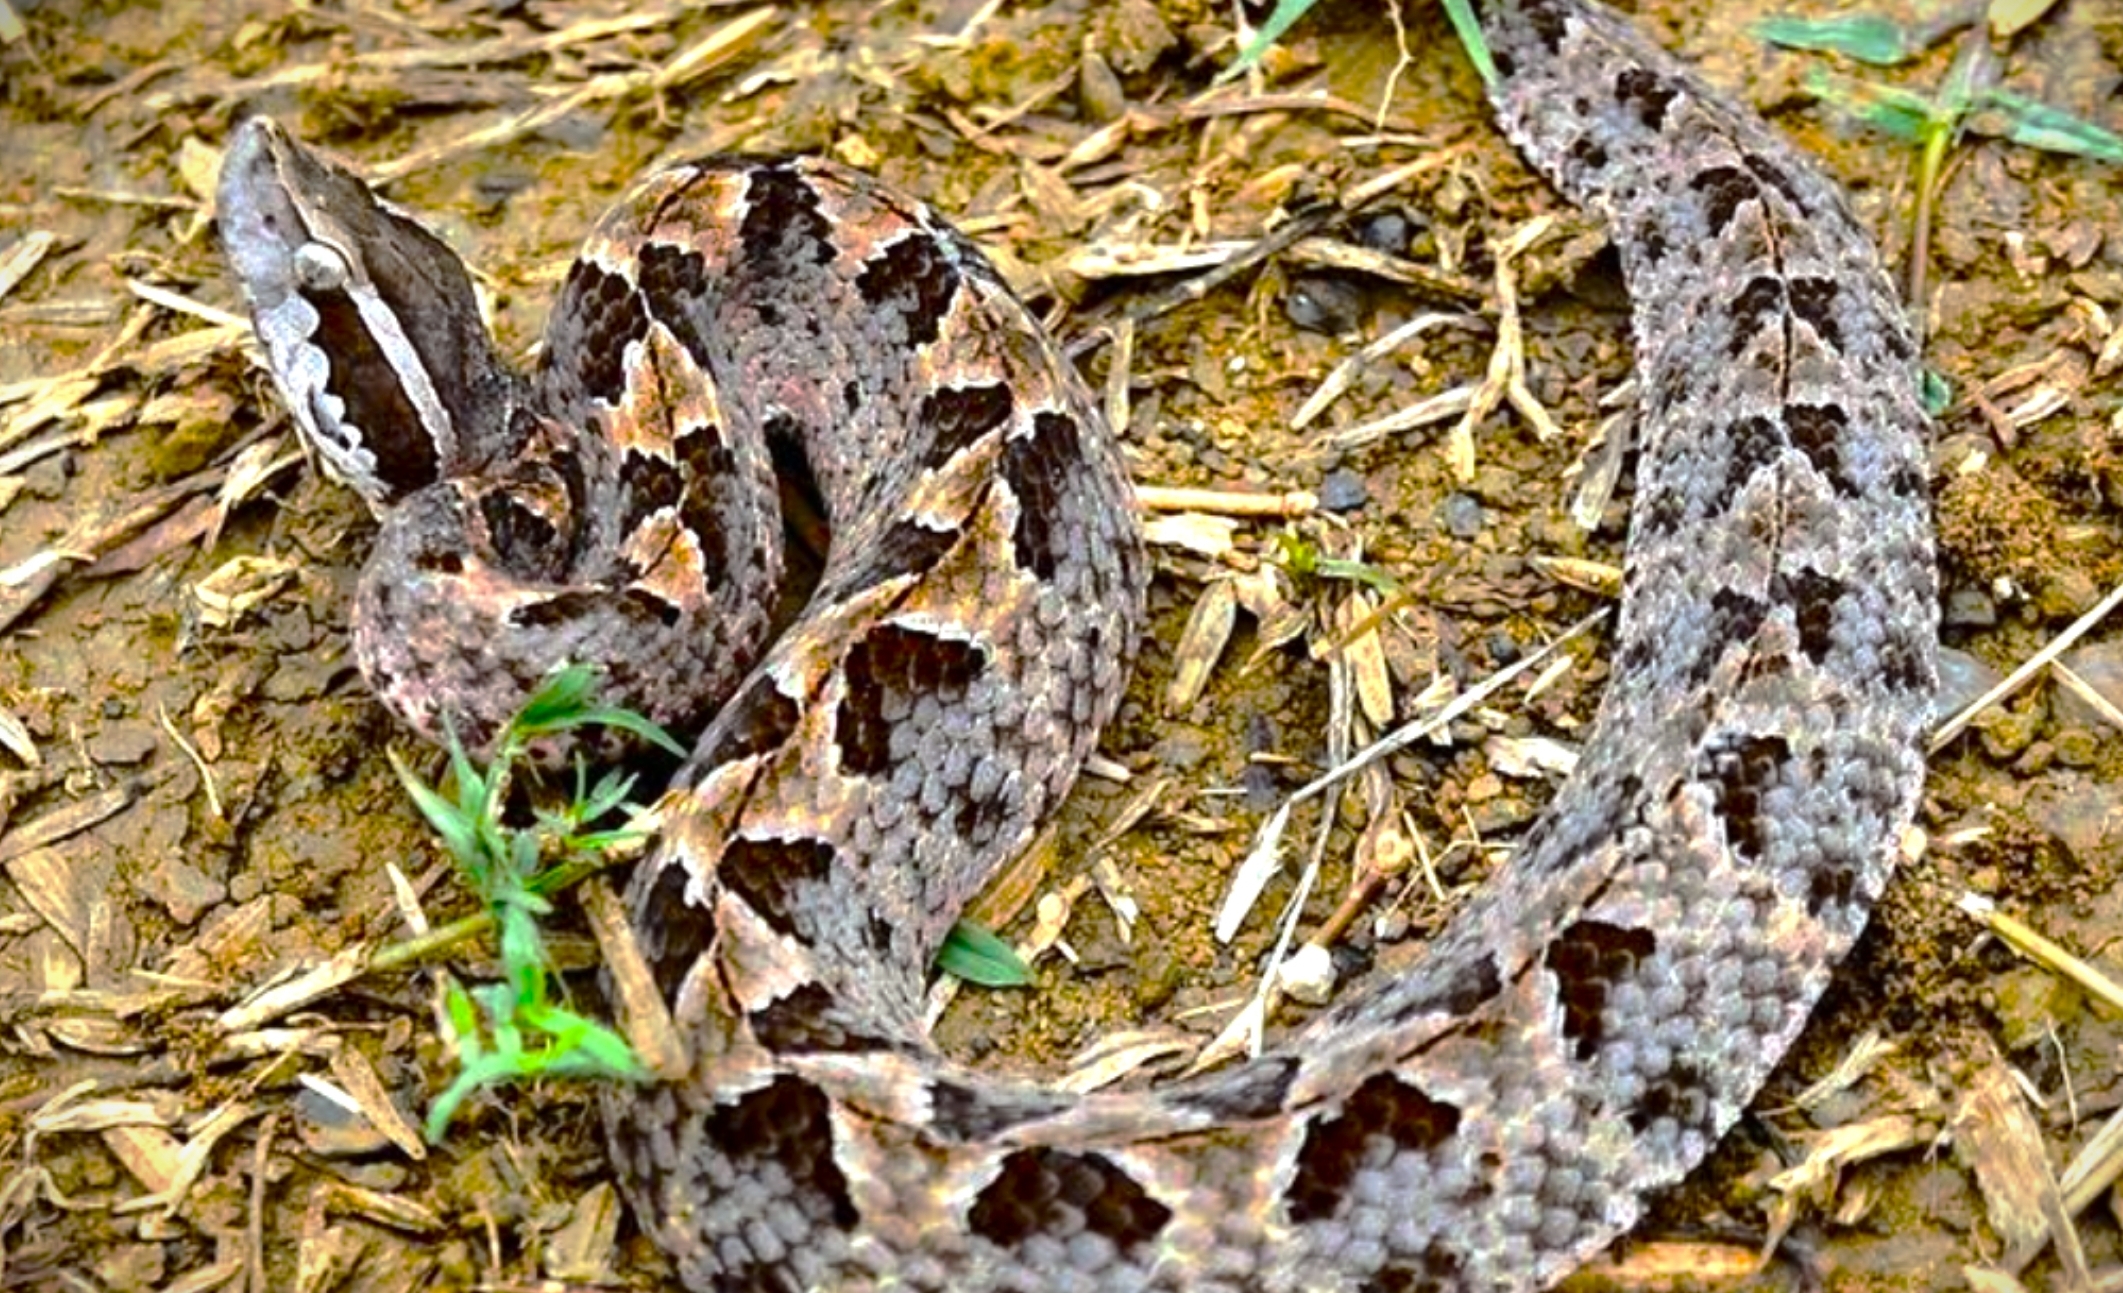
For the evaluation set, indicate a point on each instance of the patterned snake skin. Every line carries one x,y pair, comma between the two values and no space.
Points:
1583,1033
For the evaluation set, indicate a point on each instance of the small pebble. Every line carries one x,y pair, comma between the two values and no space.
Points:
1309,975
1962,678
1320,303
2100,666
2078,747
2081,817
494,188
1343,490
1264,790
1385,231
1462,516
1970,608
331,1130
1098,90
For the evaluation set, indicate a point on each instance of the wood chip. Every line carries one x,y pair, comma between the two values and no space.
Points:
1999,1139
1201,645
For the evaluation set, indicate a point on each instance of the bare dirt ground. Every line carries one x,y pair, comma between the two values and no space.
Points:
196,800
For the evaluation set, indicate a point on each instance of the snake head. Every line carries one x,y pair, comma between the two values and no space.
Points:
370,326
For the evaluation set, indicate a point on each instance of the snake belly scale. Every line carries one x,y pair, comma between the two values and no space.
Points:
737,332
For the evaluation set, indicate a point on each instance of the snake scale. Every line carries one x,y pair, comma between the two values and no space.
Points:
741,335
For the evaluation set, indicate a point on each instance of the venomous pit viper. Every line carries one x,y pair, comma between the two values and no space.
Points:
1583,1032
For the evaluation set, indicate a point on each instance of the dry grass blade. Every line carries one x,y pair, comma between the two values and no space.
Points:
1287,505
17,262
2094,1169
1600,469
1215,537
2019,677
691,63
1506,378
2022,938
1201,644
643,1013
388,66
1864,1055
1261,862
1344,374
70,820
2070,681
1441,407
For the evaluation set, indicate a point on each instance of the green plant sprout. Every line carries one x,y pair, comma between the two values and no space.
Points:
1459,12
516,1029
1967,101
1303,558
978,955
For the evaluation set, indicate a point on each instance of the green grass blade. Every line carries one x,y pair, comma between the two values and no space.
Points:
976,955
1469,29
459,830
1869,38
625,720
2037,125
1890,109
565,691
1286,14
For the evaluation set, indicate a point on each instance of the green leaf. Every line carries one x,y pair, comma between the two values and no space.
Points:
1935,391
464,1019
599,841
513,1029
591,1046
458,829
608,795
1469,29
613,716
564,694
1887,108
1869,38
524,852
1286,14
609,1051
2037,125
1361,572
472,1076
1297,555
522,956
562,704
976,955
475,788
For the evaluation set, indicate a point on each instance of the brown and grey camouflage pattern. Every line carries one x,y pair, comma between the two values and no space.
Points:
1582,1034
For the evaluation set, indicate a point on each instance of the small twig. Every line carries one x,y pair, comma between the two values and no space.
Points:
254,1230
1302,225
206,774
1226,502
696,60
2013,681
2024,939
1260,862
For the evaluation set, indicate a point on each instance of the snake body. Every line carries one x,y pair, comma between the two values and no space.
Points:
1585,1030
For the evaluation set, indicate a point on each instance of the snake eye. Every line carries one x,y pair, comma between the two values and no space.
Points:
320,267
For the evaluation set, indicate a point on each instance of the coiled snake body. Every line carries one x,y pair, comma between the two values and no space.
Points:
1583,1033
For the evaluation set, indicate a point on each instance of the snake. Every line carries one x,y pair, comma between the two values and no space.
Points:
887,713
